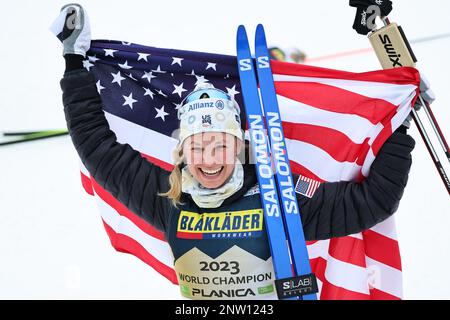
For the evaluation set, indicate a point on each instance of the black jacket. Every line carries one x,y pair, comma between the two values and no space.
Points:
336,209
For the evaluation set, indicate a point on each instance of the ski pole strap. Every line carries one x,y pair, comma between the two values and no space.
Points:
384,5
367,11
296,286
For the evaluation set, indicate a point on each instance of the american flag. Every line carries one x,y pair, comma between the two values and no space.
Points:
335,123
306,186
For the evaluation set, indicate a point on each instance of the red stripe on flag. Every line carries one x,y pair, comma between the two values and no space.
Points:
162,164
382,249
123,211
348,250
330,291
297,168
404,75
365,147
385,133
86,183
360,177
332,141
126,244
376,294
327,97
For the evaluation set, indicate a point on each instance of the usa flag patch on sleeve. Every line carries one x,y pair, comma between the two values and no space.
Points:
306,186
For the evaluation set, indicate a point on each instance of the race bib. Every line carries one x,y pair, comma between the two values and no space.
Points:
235,274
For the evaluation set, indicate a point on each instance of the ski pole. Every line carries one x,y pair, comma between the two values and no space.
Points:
435,126
393,50
431,150
425,105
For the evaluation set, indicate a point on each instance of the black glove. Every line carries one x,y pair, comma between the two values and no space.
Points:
360,23
384,5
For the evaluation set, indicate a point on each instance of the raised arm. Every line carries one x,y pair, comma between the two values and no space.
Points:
118,168
343,208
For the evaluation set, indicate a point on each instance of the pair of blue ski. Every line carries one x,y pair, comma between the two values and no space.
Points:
294,279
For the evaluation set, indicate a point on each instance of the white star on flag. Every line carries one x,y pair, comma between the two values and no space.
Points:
232,91
109,52
179,89
93,58
142,56
148,92
117,78
200,80
99,86
177,61
129,100
149,76
87,65
211,66
162,93
161,113
158,70
125,65
131,76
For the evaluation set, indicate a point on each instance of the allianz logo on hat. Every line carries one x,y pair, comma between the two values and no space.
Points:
219,104
199,105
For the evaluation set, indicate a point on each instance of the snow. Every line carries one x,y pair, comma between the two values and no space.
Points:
52,240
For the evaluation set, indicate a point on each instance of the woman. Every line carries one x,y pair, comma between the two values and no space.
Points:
209,206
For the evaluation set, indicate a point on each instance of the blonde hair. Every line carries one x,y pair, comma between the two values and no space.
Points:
174,193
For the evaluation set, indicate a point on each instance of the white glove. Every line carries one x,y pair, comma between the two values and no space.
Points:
73,29
427,95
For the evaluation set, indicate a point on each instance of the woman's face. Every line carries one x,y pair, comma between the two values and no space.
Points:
211,157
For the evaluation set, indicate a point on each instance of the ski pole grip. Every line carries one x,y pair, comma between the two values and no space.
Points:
392,48
296,286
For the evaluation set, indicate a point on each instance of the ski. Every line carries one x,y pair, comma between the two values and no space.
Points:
283,173
288,286
11,138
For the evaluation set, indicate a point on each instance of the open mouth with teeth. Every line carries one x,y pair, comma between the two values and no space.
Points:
211,173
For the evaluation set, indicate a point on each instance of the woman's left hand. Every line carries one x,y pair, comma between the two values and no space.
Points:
427,95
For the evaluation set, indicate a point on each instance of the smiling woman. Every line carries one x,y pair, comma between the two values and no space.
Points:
210,139
211,157
208,207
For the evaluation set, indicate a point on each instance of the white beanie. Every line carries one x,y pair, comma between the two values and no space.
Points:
207,109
